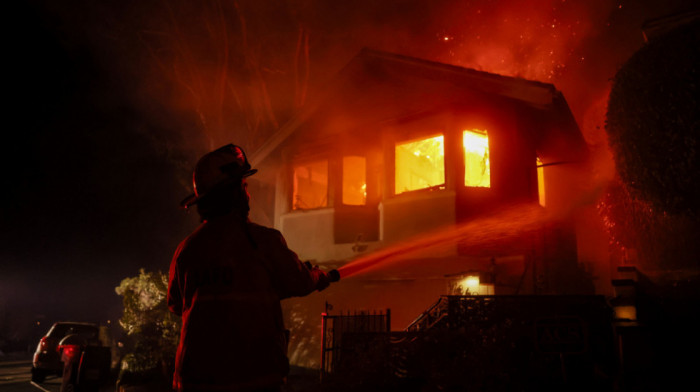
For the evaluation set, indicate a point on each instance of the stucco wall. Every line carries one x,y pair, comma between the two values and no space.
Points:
407,215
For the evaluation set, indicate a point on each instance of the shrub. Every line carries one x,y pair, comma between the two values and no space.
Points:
152,330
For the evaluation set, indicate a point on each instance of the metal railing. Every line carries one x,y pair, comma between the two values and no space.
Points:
337,328
471,342
430,317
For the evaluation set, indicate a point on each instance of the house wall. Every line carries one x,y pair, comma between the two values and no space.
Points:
325,234
572,241
518,134
310,234
415,213
545,262
377,103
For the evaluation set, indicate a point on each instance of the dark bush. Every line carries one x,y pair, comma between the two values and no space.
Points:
653,122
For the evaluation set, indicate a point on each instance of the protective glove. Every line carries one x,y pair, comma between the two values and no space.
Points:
323,279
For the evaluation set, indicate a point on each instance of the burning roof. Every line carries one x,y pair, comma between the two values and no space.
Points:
376,87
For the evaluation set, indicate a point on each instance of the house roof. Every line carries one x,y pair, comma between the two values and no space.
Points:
448,82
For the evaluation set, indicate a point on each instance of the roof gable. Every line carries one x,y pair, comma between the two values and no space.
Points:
382,85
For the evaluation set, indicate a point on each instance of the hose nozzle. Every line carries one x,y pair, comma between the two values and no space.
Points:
333,275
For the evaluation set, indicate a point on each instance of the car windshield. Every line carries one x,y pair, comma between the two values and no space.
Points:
61,330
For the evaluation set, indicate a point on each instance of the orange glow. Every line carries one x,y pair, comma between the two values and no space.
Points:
310,185
471,285
354,180
477,167
420,164
625,312
540,182
470,282
536,42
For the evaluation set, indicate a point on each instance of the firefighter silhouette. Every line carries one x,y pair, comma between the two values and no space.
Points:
226,282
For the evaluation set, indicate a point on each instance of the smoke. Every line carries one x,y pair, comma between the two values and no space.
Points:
237,70
531,39
241,68
187,77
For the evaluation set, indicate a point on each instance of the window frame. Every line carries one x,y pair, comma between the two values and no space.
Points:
462,133
412,137
342,179
541,184
329,185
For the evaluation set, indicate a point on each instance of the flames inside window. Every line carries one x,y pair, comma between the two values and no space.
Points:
540,181
310,185
420,164
477,167
354,180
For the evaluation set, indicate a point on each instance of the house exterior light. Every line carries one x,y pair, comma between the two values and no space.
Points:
624,303
625,312
470,284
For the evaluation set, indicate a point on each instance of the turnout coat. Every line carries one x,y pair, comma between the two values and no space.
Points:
226,282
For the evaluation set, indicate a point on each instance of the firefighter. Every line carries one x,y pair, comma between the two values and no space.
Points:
226,281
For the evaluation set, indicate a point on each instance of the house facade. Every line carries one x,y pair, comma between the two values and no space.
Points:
397,150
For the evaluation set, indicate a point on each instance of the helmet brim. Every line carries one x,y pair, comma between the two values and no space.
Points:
192,199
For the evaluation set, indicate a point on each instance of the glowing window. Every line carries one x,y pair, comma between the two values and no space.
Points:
354,181
310,185
540,181
477,167
420,164
471,285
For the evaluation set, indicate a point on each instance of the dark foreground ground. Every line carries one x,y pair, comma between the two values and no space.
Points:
15,376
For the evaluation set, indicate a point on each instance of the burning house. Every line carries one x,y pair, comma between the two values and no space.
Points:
450,170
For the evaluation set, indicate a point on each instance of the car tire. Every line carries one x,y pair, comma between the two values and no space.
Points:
38,375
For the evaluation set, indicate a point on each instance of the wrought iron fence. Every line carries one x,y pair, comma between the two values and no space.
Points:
339,332
487,343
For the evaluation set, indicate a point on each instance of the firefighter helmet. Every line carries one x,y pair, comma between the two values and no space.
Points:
223,166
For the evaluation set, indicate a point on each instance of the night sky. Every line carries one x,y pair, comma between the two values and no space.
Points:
112,103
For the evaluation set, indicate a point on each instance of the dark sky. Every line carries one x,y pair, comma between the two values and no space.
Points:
113,101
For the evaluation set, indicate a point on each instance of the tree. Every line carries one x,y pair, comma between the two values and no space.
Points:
653,122
653,127
152,330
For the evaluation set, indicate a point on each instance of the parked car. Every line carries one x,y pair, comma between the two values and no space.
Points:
86,363
47,358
